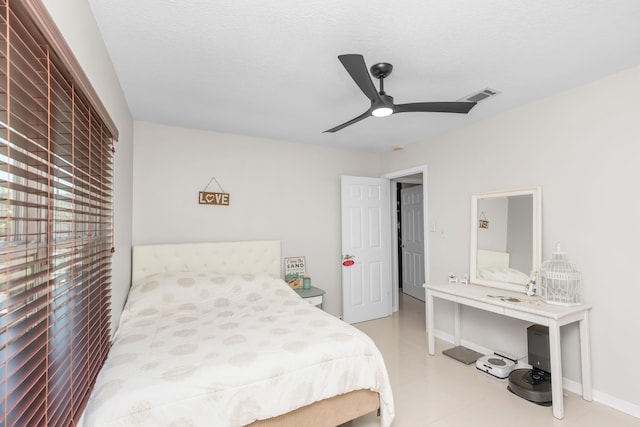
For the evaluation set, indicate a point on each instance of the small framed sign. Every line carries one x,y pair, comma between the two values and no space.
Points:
295,269
207,198
483,222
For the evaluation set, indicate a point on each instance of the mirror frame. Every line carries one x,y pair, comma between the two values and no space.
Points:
536,193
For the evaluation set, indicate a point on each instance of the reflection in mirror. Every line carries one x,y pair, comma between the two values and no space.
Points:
505,238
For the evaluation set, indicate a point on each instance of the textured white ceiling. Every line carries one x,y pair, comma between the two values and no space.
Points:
269,68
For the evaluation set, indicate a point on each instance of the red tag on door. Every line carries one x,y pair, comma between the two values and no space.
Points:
348,262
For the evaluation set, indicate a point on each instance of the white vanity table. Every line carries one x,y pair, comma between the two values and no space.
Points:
530,309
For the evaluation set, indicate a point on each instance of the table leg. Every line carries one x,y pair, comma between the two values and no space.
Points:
431,339
585,358
457,320
556,370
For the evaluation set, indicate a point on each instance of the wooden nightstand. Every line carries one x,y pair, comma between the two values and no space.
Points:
313,295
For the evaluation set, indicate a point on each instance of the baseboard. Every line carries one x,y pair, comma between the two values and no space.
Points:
615,403
570,385
604,398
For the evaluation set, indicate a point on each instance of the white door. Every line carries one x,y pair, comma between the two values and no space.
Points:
412,241
366,240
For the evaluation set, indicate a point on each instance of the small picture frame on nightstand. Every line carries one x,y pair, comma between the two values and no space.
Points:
294,270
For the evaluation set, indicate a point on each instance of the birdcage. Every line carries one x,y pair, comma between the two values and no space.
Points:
560,281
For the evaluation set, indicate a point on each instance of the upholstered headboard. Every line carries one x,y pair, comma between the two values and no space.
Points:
252,257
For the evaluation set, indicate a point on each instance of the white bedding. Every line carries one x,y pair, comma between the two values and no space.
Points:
203,349
493,265
503,274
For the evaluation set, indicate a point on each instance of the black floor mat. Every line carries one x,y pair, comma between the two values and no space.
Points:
463,354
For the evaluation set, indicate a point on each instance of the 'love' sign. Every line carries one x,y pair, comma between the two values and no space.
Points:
205,198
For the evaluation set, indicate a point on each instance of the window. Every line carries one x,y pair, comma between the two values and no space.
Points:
56,227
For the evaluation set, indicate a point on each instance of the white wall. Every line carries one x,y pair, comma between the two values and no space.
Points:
519,231
496,211
582,147
278,190
75,21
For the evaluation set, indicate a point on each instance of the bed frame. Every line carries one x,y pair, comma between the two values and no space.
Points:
250,257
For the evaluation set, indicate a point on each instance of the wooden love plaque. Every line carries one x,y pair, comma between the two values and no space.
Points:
207,198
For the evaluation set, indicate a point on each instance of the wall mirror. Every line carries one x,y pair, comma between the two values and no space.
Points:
505,238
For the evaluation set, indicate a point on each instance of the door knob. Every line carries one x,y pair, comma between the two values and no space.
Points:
347,260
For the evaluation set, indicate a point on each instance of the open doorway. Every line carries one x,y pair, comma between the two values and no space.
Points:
409,262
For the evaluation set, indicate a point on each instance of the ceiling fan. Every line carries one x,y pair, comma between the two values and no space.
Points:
382,104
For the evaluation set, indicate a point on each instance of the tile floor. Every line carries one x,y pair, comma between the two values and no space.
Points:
438,391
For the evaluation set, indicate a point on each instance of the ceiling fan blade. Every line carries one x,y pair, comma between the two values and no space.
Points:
350,122
436,107
358,71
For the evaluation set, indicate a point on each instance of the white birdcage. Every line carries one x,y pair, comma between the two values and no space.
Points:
560,281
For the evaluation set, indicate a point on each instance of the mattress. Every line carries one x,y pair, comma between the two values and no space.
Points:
226,350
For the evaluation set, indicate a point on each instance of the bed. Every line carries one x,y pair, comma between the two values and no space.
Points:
210,335
494,265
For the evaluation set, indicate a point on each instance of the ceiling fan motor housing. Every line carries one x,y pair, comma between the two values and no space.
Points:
384,101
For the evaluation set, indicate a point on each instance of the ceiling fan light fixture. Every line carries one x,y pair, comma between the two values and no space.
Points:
382,112
383,106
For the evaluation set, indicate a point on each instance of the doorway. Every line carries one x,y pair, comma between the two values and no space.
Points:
415,176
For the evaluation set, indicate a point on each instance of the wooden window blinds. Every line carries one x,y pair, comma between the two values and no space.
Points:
56,231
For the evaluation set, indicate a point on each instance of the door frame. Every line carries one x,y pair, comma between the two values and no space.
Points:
402,176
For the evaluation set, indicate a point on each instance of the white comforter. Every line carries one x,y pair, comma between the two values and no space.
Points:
209,350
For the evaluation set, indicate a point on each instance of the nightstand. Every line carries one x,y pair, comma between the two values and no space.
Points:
313,295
